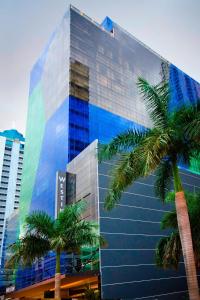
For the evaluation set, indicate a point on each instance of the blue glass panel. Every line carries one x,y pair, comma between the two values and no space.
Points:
184,89
105,125
78,126
40,271
37,70
88,122
53,157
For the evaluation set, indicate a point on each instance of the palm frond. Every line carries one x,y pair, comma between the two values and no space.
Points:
188,118
185,143
193,128
156,98
70,216
169,220
58,242
72,231
86,234
168,251
194,162
122,143
41,223
129,167
140,162
91,294
34,247
184,155
170,197
141,154
26,250
15,256
67,233
79,234
154,148
184,115
163,179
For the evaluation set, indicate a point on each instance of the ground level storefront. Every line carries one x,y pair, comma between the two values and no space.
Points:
72,286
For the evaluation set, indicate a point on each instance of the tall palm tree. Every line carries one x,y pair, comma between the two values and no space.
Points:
68,233
168,252
160,148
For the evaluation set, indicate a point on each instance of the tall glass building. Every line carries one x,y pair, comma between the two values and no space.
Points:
83,88
11,163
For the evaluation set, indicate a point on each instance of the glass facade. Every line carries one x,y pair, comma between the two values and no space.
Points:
132,231
11,165
83,88
85,169
47,124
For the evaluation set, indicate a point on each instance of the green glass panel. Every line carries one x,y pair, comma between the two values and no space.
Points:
34,136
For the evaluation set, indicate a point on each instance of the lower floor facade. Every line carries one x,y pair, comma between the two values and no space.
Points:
72,286
126,267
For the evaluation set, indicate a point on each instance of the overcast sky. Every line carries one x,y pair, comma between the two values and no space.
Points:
170,27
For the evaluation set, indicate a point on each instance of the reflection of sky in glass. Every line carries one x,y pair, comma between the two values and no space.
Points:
171,28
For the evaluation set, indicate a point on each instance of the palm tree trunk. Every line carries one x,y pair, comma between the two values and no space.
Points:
57,276
185,236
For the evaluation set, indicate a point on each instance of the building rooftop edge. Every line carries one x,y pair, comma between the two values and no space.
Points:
126,32
12,134
100,26
117,25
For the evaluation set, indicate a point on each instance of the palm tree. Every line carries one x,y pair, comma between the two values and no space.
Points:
168,252
160,148
68,233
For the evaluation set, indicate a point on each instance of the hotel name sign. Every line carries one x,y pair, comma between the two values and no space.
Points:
61,189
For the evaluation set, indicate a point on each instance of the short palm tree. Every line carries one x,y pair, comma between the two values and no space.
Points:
168,252
160,148
68,233
91,294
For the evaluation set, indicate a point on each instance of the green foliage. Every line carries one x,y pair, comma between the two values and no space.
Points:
69,232
121,143
159,149
170,197
156,99
40,223
163,179
192,121
169,250
169,220
91,294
